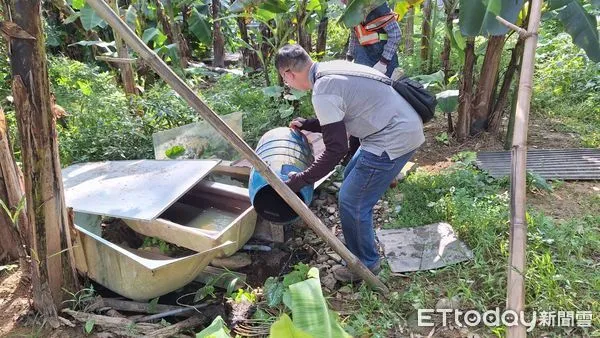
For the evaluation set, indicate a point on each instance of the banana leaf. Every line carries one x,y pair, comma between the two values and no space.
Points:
217,329
403,6
357,11
284,327
200,26
89,18
447,100
478,17
309,309
582,26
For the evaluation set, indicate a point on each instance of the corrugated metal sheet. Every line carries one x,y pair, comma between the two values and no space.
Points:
563,164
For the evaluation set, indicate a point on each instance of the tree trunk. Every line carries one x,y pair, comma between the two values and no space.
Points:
431,40
251,59
303,36
499,107
484,98
218,41
425,33
265,51
322,37
177,36
125,68
12,243
163,19
466,90
449,9
51,269
409,27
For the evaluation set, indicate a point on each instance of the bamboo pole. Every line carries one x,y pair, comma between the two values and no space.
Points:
515,297
273,179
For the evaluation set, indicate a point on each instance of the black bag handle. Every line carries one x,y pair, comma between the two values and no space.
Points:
380,78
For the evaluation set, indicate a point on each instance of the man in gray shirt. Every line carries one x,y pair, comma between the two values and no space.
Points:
389,129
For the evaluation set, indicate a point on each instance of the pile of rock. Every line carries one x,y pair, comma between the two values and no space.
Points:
325,206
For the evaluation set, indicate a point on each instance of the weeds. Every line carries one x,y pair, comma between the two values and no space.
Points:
80,299
562,256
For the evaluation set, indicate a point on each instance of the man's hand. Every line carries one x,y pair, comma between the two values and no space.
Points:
380,66
297,123
293,182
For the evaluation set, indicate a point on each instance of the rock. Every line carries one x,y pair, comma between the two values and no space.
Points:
319,203
377,207
335,257
322,258
345,290
397,209
331,199
379,219
315,241
330,262
332,218
332,188
338,184
298,241
331,210
328,281
445,303
322,267
235,262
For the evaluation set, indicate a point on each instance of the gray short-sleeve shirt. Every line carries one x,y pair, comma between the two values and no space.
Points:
371,110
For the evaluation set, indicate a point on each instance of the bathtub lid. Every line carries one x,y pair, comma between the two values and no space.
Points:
139,189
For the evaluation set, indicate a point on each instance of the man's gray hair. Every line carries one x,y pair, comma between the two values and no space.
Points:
292,57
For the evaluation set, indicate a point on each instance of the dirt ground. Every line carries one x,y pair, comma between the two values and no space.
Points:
570,199
14,299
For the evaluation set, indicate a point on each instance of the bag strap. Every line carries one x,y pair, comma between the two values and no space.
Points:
380,78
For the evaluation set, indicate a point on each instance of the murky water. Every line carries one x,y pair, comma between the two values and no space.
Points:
201,218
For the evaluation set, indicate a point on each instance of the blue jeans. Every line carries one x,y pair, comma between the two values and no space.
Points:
370,55
366,179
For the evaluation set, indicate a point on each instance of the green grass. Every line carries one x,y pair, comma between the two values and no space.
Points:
562,258
567,88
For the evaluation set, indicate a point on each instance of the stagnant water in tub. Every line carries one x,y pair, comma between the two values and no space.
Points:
202,218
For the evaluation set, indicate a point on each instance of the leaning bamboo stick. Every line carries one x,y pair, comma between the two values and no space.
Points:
515,297
195,102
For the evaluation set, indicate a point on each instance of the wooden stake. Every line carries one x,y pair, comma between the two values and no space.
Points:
518,224
272,178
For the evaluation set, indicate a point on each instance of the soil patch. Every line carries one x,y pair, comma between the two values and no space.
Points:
274,263
116,231
15,291
434,155
569,200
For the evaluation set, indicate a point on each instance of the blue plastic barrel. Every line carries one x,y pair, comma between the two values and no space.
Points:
284,150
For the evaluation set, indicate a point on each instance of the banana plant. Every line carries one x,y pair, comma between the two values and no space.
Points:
478,17
274,23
